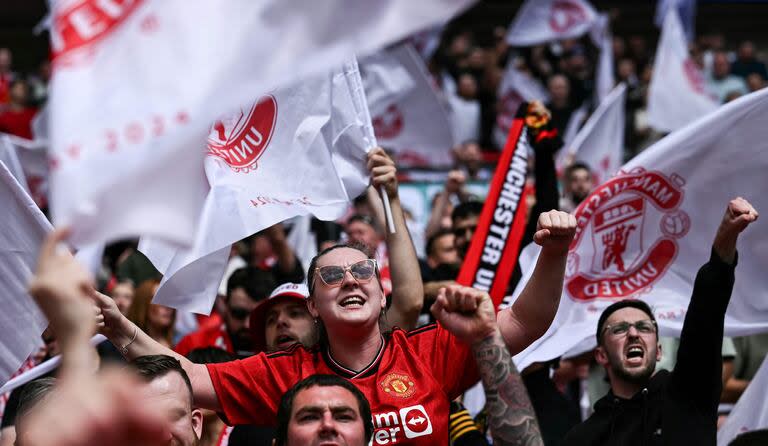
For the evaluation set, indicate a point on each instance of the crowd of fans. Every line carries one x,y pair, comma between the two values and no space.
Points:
267,303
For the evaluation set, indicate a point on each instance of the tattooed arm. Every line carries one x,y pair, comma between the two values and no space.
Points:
510,413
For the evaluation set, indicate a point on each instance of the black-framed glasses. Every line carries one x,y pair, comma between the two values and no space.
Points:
620,329
333,275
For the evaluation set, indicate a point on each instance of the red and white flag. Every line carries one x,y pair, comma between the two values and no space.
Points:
515,88
645,232
137,83
541,21
677,95
750,412
600,143
295,150
408,117
23,229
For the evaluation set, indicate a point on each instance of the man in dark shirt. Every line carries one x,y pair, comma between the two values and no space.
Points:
667,408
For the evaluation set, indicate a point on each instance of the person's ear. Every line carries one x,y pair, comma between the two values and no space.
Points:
312,308
601,356
658,352
197,423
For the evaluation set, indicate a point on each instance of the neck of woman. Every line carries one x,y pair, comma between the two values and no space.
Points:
355,351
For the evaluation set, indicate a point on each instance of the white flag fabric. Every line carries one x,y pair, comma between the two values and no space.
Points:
600,143
604,79
750,412
23,229
541,21
10,157
515,88
32,159
297,150
677,95
686,10
645,232
136,85
408,117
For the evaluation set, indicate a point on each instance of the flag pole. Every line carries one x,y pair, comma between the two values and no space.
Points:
387,210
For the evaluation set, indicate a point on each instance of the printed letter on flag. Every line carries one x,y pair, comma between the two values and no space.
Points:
408,117
23,229
677,95
541,21
646,232
492,254
600,143
295,150
137,83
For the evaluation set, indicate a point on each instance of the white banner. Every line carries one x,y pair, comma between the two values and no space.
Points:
750,412
23,229
137,83
677,95
601,36
296,150
645,232
515,88
408,117
541,21
600,143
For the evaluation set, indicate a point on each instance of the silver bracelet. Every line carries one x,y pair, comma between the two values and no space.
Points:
124,349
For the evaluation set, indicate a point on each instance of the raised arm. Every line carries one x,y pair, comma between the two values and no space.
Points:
698,371
469,315
533,311
132,343
407,288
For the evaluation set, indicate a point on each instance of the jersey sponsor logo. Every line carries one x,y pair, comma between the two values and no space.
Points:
634,221
399,385
78,27
389,124
412,422
566,14
242,139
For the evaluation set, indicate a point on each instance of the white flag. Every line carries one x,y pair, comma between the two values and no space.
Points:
750,412
10,157
23,229
645,232
541,21
677,95
515,88
136,84
297,150
601,36
32,157
600,143
407,114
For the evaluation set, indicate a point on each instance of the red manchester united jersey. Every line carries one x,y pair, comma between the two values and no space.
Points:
409,384
215,336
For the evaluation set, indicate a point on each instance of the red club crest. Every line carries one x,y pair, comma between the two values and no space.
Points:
634,221
565,14
389,124
241,139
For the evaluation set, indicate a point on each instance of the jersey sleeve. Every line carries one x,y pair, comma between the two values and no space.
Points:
450,360
249,390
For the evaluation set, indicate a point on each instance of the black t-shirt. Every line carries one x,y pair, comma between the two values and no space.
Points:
247,435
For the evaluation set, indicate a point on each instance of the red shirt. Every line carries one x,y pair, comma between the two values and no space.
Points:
215,336
409,384
18,122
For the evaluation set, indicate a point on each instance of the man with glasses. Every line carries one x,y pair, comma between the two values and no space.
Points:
678,407
245,289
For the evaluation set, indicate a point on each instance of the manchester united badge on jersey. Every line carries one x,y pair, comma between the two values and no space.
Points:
398,385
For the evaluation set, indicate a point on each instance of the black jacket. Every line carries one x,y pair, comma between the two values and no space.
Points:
679,407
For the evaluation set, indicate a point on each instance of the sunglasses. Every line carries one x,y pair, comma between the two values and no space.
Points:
620,329
333,275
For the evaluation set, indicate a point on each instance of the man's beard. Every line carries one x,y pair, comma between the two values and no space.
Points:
636,376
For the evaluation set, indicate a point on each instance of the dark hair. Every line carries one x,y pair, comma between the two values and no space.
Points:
433,238
361,218
751,438
256,283
626,303
286,404
466,210
578,165
210,355
151,367
32,394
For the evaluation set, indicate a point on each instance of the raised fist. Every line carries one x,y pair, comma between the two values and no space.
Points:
466,312
555,230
